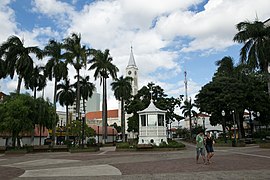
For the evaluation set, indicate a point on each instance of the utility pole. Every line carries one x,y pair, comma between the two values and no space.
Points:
186,85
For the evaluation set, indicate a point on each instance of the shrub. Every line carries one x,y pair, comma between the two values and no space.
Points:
91,142
123,145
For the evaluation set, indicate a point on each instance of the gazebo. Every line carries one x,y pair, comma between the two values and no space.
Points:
152,125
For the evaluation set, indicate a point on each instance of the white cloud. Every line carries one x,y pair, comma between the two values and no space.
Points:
7,17
149,26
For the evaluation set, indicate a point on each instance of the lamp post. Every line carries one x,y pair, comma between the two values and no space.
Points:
224,125
83,123
234,128
203,118
258,116
98,133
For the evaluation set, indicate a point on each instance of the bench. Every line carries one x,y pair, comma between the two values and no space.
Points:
42,148
144,146
2,149
249,140
60,148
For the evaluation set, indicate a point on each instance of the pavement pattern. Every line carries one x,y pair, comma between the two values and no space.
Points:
249,162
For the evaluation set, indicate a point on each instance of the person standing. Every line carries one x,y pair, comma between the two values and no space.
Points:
209,147
200,147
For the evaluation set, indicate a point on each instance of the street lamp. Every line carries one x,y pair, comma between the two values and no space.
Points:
258,116
83,123
224,124
234,127
203,118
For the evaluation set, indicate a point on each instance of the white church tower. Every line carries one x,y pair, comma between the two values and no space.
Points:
132,71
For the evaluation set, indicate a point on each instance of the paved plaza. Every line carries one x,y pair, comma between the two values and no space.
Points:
249,162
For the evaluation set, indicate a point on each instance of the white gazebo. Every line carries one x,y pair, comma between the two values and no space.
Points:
152,125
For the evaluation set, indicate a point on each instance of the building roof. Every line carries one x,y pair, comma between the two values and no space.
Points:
98,114
151,108
131,62
2,95
98,130
44,133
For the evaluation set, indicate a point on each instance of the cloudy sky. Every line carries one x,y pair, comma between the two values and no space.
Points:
168,37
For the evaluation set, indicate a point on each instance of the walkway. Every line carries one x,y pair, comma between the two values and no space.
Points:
229,163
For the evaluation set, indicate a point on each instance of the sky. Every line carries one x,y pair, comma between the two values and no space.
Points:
168,37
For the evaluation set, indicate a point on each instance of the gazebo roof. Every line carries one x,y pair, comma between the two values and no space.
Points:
151,108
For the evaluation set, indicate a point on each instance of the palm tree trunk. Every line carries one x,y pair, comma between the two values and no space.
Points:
123,121
78,93
106,112
67,123
190,125
40,134
35,92
19,85
104,127
268,83
54,104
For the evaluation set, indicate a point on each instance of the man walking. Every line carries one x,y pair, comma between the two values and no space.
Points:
200,147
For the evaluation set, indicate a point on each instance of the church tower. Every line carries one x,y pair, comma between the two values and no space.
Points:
132,71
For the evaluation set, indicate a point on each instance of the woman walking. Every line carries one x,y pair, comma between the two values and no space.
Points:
209,147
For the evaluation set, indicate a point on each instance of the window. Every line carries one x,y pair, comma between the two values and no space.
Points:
160,120
143,120
152,120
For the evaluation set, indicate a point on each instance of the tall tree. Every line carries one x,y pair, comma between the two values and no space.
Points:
55,68
76,55
18,58
65,96
104,68
86,91
187,110
36,81
122,91
256,50
17,116
142,99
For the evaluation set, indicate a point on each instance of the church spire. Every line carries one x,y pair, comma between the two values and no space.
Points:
131,62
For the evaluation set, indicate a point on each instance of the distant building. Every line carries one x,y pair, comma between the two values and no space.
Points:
93,103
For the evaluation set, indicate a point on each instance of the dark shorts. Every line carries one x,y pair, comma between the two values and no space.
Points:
200,151
209,148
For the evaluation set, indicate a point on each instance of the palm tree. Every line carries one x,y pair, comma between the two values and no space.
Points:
103,66
66,97
256,50
76,55
37,81
18,58
187,110
122,91
2,68
86,89
55,68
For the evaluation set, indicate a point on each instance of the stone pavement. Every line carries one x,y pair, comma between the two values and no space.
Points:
229,163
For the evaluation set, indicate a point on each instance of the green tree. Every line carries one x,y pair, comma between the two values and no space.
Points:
75,130
104,68
142,99
44,115
86,89
187,110
76,55
16,116
37,80
65,96
256,50
55,68
18,58
122,91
